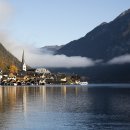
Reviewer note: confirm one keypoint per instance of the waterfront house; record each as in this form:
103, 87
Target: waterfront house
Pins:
12, 77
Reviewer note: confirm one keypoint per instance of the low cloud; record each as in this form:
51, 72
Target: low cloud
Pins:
49, 60
35, 58
120, 59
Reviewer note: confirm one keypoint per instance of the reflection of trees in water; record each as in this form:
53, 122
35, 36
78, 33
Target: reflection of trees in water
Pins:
19, 101
7, 101
10, 97
7, 98
104, 101
13, 101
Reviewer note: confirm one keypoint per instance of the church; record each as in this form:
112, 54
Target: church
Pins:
23, 65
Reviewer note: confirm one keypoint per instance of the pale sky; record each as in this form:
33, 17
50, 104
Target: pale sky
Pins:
56, 22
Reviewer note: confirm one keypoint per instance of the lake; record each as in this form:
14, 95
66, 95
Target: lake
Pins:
97, 107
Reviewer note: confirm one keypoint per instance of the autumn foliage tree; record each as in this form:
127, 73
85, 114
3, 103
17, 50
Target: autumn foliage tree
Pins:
13, 69
7, 59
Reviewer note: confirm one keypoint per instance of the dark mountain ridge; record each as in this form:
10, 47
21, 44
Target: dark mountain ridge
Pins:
106, 41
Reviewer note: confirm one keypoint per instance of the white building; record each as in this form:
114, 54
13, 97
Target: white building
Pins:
42, 71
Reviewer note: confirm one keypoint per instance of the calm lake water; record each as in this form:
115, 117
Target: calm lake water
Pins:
65, 108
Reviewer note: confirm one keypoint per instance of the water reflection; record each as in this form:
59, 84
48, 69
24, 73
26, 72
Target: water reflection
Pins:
64, 108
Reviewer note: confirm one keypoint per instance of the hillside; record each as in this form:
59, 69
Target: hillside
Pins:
6, 59
106, 41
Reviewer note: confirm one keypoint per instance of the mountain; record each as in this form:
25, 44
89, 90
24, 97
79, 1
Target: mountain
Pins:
100, 74
50, 49
7, 59
106, 41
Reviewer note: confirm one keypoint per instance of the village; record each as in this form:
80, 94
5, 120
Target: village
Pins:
37, 76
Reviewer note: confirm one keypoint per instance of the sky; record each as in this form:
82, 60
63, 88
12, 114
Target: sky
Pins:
56, 22
30, 24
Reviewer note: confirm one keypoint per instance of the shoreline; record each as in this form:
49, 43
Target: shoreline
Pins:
103, 85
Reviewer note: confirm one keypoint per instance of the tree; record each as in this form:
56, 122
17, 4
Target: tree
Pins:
13, 69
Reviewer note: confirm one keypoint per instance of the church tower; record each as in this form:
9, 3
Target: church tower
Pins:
24, 67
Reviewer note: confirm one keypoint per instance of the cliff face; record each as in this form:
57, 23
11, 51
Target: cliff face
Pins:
7, 59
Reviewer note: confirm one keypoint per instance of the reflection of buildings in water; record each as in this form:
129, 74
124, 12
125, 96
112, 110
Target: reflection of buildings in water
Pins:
63, 91
15, 95
8, 97
1, 94
44, 93
52, 90
1, 99
79, 90
76, 91
42, 90
11, 95
24, 99
36, 92
44, 97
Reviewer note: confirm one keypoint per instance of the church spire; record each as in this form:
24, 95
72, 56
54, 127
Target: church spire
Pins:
24, 68
23, 57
